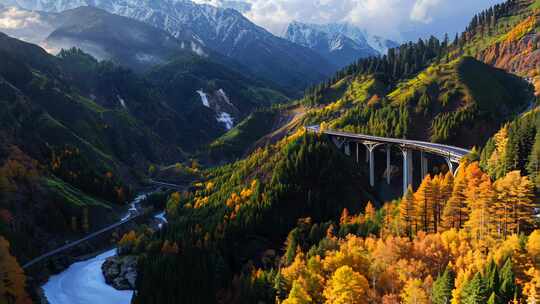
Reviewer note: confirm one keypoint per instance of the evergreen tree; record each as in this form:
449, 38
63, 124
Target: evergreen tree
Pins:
533, 166
492, 299
508, 287
298, 295
492, 276
442, 288
475, 291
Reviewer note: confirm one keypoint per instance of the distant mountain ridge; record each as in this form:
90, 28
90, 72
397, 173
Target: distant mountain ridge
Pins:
132, 44
339, 43
223, 30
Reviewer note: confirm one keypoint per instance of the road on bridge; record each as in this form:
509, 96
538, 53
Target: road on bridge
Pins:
455, 153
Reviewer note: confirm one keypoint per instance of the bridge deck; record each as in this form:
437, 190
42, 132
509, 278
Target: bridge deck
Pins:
454, 153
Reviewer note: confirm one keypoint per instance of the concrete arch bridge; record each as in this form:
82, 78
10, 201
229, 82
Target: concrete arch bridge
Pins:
351, 143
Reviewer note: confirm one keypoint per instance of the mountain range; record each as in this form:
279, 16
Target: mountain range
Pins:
340, 43
223, 30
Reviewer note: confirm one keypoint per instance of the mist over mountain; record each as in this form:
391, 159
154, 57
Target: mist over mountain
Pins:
223, 30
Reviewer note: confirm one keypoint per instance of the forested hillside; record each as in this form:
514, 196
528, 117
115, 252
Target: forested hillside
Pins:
432, 89
296, 222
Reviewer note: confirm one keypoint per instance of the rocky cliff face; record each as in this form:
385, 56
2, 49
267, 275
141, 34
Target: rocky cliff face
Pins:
520, 57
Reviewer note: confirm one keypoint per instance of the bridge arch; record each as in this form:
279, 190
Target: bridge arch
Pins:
451, 155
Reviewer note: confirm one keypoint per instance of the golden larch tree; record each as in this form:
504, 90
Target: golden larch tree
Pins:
481, 220
456, 210
413, 293
407, 213
515, 203
424, 201
346, 287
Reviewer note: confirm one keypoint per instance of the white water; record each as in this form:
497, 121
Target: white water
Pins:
204, 98
83, 283
134, 207
226, 119
161, 217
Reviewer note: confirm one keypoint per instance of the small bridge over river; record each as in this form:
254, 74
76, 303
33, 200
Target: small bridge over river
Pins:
349, 141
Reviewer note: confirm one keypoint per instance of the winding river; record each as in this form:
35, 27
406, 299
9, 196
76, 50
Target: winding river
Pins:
83, 282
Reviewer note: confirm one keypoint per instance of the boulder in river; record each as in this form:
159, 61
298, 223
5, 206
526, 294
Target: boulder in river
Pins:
120, 272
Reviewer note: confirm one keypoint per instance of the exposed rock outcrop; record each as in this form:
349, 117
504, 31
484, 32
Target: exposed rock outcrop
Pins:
120, 272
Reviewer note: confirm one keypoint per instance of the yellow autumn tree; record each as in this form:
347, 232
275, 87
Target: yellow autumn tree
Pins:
413, 293
12, 278
456, 211
346, 287
533, 247
298, 295
531, 289
496, 161
447, 185
424, 200
370, 211
407, 213
481, 221
514, 207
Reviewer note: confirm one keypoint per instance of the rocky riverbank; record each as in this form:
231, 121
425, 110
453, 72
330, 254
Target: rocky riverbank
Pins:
120, 272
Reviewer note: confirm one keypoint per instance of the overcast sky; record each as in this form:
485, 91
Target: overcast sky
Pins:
396, 19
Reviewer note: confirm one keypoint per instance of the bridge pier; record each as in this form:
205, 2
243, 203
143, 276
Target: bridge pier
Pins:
388, 165
407, 168
338, 141
450, 165
452, 155
424, 164
370, 153
357, 152
348, 148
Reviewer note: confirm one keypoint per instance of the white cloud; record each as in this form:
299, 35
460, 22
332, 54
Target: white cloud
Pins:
420, 11
13, 18
396, 19
25, 25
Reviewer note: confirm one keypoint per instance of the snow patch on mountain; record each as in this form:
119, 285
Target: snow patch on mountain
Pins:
122, 101
381, 44
204, 98
223, 95
226, 119
197, 49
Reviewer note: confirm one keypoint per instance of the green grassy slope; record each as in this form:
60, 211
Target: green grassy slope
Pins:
442, 103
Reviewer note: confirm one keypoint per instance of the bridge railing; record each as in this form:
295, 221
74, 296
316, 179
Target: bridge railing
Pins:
454, 153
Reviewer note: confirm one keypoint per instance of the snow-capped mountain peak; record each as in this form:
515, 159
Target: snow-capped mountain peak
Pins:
340, 43
223, 30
